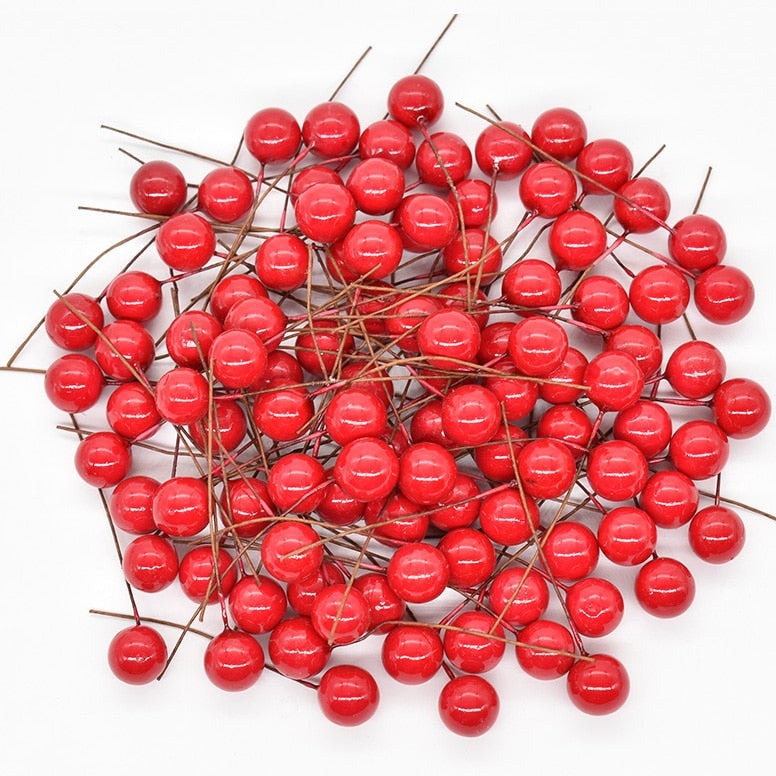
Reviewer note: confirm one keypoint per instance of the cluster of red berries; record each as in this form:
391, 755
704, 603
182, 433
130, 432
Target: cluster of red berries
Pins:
373, 406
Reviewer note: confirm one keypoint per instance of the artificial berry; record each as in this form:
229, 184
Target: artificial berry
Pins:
158, 187
412, 654
348, 695
468, 705
137, 655
234, 660
665, 587
73, 383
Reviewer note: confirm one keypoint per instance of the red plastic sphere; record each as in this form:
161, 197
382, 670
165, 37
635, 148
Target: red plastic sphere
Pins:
412, 654
638, 342
617, 470
475, 255
283, 412
695, 369
348, 695
418, 572
697, 243
124, 349
614, 380
261, 317
577, 240
496, 458
532, 283
238, 358
601, 302
468, 705
547, 468
627, 536
331, 130
340, 614
68, 319
385, 607
449, 337
245, 506
415, 100
517, 397
546, 649
699, 449
134, 296
272, 135
500, 150
537, 346
443, 159
182, 396
470, 415
158, 187
226, 194
325, 212
428, 221
377, 186
131, 504
150, 563
547, 189
312, 176
741, 408
282, 262
373, 249
665, 587
137, 655
186, 242
647, 205
604, 165
461, 505
670, 498
717, 534
427, 473
291, 551
570, 551
190, 336
180, 506
476, 200
519, 596
509, 518
257, 606
387, 139
103, 459
234, 660
595, 606
198, 577
470, 556
367, 469
224, 431
302, 593
296, 650
598, 686
559, 132
131, 411
569, 424
644, 424
295, 483
479, 644
659, 294
73, 383
354, 413
724, 294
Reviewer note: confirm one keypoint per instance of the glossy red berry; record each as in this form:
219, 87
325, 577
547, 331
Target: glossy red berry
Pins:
443, 159
373, 249
475, 255
500, 150
569, 424
354, 413
638, 342
644, 424
697, 243
367, 469
124, 349
182, 396
614, 379
226, 194
627, 536
282, 262
186, 242
559, 132
261, 317
598, 686
296, 650
348, 695
741, 408
203, 578
68, 321
547, 189
717, 534
546, 468
150, 563
340, 614
695, 369
190, 336
545, 649
509, 518
325, 212
296, 482
427, 473
272, 135
224, 430
474, 642
665, 587
415, 100
470, 556
234, 660
570, 551
238, 358
131, 411
180, 506
412, 654
103, 459
659, 294
158, 187
418, 572
331, 130
642, 205
468, 705
670, 498
516, 397
476, 200
283, 412
537, 346
532, 283
595, 606
245, 506
303, 592
257, 604
699, 449
291, 551
723, 294
496, 459
428, 221
617, 470
385, 607
134, 296
470, 415
577, 240
73, 383
604, 165
137, 655
387, 139
519, 596
312, 176
600, 301
131, 504
377, 185
460, 506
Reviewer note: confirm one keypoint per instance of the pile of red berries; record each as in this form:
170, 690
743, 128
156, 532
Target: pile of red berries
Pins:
370, 409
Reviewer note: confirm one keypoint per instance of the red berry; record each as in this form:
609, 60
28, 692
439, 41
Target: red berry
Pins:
340, 614
331, 130
367, 469
537, 346
614, 380
283, 412
559, 132
68, 321
627, 536
131, 411
291, 551
182, 396
131, 504
601, 302
468, 705
387, 139
233, 289
124, 349
570, 551
427, 473
158, 187
532, 283
717, 534
418, 572
186, 242
724, 294
348, 695
699, 449
519, 596
272, 135
604, 165
427, 220
180, 506
103, 459
470, 556
659, 294
470, 415
564, 384
245, 506
695, 369
73, 383
617, 470
599, 685
443, 159
644, 424
547, 468
474, 255
547, 189
282, 262
134, 296
137, 655
545, 649
474, 643
190, 336
638, 342
234, 660
198, 577
577, 240
312, 176
373, 249
377, 185
412, 654
257, 606
385, 606
261, 317
476, 201
642, 205
665, 587
150, 563
223, 431
303, 592
500, 150
509, 518
670, 498
226, 194
295, 483
569, 424
296, 650
415, 100
697, 243
325, 212
595, 606
741, 408
238, 358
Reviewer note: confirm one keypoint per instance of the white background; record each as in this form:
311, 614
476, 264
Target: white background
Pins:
696, 76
